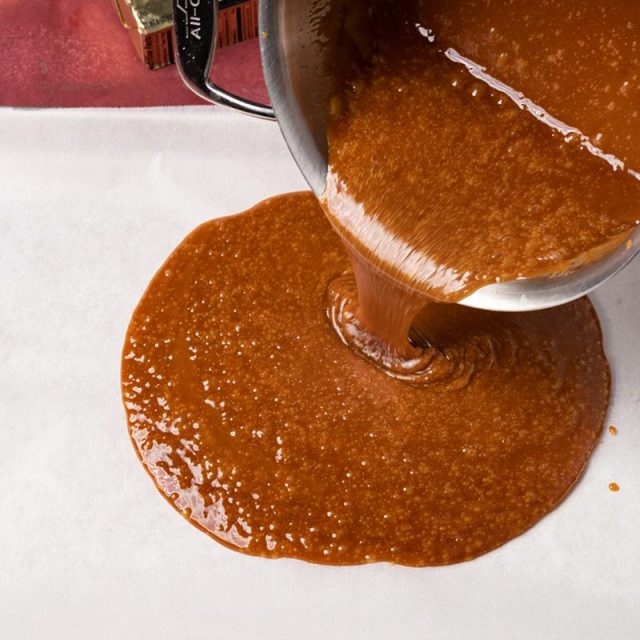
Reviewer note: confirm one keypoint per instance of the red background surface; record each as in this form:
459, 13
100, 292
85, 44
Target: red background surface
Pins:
75, 53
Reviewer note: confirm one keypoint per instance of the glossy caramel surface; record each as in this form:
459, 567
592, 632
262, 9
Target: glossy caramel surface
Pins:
264, 430
487, 141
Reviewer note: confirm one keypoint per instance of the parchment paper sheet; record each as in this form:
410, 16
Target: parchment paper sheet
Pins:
91, 203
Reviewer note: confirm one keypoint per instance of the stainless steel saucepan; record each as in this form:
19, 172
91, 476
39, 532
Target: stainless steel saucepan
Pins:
301, 45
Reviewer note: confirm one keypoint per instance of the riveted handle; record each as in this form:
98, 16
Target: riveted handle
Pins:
196, 31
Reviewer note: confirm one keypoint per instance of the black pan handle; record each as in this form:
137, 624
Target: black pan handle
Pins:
196, 31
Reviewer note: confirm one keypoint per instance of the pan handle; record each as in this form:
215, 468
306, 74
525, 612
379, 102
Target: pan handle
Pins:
195, 33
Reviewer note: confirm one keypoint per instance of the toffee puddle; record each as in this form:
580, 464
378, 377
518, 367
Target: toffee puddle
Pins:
264, 431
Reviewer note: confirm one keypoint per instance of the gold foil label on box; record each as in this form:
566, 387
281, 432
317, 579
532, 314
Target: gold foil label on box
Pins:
149, 23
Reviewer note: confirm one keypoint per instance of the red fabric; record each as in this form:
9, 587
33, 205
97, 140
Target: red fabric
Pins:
75, 53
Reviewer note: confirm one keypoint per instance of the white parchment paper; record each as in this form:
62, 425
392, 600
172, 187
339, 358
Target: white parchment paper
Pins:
91, 203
